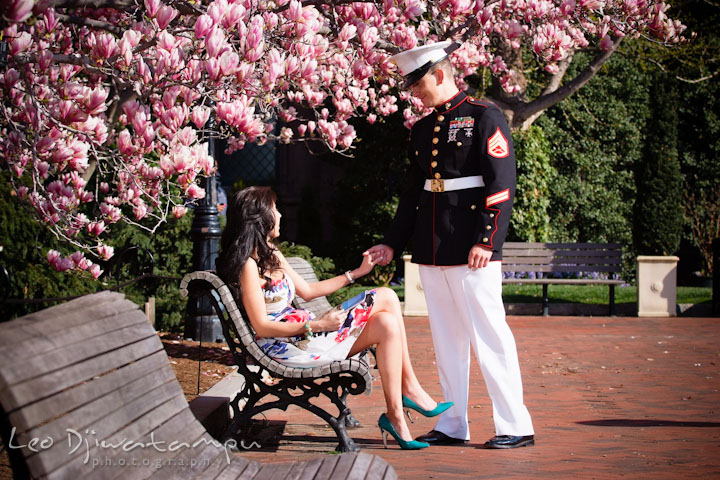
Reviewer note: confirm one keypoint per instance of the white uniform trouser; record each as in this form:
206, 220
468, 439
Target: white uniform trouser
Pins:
466, 309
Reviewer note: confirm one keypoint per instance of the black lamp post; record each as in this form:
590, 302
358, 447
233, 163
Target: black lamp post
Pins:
201, 323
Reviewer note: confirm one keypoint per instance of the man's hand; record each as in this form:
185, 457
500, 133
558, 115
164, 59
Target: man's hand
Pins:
479, 256
380, 254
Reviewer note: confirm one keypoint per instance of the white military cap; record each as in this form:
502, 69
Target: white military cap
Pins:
416, 62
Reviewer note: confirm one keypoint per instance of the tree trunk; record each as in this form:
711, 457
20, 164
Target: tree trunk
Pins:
520, 113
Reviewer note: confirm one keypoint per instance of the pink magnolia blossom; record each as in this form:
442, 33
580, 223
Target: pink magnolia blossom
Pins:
95, 270
20, 43
152, 7
200, 116
19, 10
105, 46
203, 25
96, 228
179, 211
105, 251
165, 15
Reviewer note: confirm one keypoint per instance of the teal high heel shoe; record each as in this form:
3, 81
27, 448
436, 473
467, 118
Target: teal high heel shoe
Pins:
440, 408
387, 427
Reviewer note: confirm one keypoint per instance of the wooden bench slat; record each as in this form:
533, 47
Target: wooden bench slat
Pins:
539, 257
97, 409
327, 466
239, 467
296, 471
251, 471
220, 461
344, 466
61, 318
73, 398
577, 245
46, 342
311, 469
273, 470
195, 461
181, 427
136, 419
559, 268
360, 467
76, 350
379, 469
57, 381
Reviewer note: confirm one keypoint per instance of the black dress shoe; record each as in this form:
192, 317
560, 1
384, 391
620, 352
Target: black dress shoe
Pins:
433, 437
510, 441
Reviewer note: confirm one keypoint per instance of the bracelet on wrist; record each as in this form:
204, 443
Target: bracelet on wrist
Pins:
349, 277
308, 330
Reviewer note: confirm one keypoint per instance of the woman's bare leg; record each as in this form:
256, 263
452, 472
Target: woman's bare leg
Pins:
386, 300
381, 330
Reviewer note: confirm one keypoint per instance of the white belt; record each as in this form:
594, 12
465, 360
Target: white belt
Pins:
450, 184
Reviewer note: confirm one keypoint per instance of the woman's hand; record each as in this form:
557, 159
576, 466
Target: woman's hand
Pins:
365, 267
329, 321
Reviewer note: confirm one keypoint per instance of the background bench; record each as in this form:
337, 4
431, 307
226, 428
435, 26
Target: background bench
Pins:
293, 386
599, 263
94, 371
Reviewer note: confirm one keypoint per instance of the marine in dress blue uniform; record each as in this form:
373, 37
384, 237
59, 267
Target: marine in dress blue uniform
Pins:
458, 196
461, 138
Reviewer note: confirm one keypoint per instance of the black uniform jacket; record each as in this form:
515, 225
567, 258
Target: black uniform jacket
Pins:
461, 138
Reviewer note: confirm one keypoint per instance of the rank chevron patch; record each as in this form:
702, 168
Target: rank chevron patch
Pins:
497, 198
498, 145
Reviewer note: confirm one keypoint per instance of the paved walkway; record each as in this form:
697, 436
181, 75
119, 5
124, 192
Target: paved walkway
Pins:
610, 398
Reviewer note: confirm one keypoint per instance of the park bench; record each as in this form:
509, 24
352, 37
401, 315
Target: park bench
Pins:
290, 385
546, 263
88, 391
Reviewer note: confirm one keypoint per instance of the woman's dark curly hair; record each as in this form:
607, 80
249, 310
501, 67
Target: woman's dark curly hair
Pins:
250, 220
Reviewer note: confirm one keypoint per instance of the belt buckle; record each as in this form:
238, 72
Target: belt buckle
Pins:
437, 185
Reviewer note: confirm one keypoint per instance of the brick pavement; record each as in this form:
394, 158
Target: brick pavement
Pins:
610, 398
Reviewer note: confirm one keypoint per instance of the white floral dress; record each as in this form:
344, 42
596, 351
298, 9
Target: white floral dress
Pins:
323, 347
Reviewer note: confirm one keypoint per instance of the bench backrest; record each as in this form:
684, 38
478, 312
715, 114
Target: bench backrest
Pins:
91, 370
562, 257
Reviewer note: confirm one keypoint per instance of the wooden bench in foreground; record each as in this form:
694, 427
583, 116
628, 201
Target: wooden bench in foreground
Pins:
87, 390
291, 386
602, 260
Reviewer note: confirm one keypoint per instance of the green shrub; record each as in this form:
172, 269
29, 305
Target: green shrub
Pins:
324, 267
657, 215
23, 248
530, 221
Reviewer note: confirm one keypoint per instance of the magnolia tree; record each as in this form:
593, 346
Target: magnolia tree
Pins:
108, 105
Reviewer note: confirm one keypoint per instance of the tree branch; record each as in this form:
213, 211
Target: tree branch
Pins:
89, 22
116, 4
526, 113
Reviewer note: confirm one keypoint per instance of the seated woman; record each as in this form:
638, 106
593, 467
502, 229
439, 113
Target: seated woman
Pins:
268, 284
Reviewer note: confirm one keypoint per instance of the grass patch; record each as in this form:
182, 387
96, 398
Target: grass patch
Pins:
589, 294
594, 294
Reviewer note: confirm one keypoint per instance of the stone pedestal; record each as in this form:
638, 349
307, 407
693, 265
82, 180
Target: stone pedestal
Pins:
415, 305
657, 286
